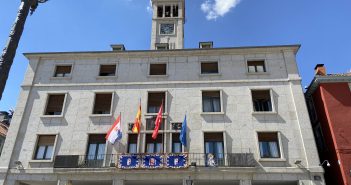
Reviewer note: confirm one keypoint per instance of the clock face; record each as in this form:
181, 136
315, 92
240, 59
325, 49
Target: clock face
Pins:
166, 29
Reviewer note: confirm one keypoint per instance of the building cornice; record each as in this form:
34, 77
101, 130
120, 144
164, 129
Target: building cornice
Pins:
165, 53
325, 79
159, 83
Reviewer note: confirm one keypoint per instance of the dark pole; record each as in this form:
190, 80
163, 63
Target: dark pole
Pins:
9, 51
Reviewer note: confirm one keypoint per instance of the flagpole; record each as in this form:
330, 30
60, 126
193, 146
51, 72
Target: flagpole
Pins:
164, 127
120, 122
139, 135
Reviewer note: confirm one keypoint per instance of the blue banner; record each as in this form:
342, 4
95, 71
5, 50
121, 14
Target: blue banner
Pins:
128, 161
177, 161
152, 161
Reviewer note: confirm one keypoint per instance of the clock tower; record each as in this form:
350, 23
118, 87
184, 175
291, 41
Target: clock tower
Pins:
167, 24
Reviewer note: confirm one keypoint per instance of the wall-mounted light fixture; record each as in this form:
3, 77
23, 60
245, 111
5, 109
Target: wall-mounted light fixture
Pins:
325, 161
298, 162
18, 164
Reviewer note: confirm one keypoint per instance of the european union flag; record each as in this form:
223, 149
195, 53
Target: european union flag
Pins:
182, 136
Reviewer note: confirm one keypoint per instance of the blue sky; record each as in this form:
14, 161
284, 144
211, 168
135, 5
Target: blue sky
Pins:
322, 27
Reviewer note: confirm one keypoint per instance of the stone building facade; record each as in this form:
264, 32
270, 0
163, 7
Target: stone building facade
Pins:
247, 121
5, 119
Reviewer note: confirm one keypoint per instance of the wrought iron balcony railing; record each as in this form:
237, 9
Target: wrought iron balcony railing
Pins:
136, 161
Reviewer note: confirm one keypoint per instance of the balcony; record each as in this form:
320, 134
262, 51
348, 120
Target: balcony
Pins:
156, 161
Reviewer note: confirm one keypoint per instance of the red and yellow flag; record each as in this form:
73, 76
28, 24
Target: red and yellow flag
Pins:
137, 122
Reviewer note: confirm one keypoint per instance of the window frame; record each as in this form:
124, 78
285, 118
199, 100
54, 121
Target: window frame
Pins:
247, 60
281, 151
163, 149
47, 101
102, 77
35, 148
87, 145
221, 101
210, 74
165, 111
271, 98
225, 150
111, 106
137, 143
166, 45
156, 63
202, 44
53, 76
171, 142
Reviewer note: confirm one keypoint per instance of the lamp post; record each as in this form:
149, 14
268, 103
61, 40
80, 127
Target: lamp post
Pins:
9, 52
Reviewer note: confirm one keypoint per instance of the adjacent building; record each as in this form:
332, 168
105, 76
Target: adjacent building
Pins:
247, 120
5, 119
329, 102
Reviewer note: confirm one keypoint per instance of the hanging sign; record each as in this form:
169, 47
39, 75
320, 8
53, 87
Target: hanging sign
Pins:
152, 161
177, 161
128, 161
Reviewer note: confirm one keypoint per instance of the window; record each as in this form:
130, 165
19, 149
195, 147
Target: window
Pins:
132, 143
160, 11
154, 101
211, 101
55, 104
175, 10
45, 147
205, 45
154, 146
103, 103
161, 46
214, 149
209, 67
96, 150
176, 126
63, 71
256, 66
150, 123
1, 144
176, 144
262, 100
158, 69
167, 11
269, 145
107, 70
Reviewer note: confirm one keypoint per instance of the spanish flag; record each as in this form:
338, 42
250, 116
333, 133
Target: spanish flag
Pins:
137, 122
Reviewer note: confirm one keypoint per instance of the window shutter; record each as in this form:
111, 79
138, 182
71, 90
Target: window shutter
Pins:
55, 103
214, 136
46, 140
102, 103
63, 69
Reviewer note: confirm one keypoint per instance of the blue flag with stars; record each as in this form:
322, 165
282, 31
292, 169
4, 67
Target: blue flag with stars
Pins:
182, 136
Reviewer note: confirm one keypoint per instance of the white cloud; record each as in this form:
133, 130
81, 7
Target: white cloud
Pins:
217, 8
149, 7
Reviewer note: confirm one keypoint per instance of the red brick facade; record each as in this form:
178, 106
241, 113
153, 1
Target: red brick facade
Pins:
332, 102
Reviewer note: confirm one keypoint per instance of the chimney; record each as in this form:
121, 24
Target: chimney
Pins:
320, 70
